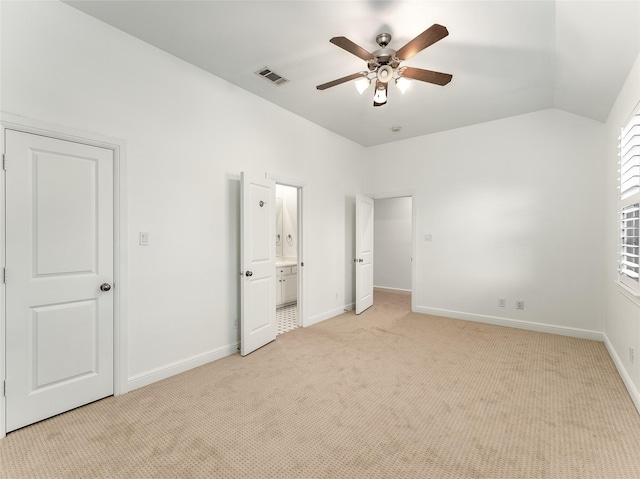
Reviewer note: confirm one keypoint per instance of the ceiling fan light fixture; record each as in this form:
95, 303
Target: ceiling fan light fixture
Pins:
380, 96
385, 73
403, 84
362, 84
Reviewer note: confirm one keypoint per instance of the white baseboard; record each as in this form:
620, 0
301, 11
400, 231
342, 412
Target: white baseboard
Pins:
163, 372
514, 323
328, 315
383, 289
626, 379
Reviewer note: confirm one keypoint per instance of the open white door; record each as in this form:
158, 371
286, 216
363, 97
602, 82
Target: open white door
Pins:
59, 250
364, 253
258, 262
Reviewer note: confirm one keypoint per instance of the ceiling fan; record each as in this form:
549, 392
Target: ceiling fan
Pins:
384, 64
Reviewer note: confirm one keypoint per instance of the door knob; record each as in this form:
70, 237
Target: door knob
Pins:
105, 287
249, 273
360, 260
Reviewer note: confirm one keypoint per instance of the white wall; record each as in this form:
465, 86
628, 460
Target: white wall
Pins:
622, 315
189, 135
392, 241
515, 210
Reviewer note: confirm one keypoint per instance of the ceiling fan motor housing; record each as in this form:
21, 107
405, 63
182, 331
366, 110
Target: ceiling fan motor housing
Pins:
385, 56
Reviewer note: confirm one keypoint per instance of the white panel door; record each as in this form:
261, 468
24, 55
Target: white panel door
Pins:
364, 253
59, 252
258, 262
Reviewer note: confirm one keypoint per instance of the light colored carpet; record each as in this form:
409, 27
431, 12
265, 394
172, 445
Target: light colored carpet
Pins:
384, 394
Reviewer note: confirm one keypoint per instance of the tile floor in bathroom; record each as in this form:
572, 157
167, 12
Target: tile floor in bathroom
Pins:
286, 318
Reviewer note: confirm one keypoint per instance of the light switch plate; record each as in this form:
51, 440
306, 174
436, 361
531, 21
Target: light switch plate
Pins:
144, 238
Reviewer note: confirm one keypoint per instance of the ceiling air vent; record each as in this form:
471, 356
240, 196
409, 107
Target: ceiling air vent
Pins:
272, 76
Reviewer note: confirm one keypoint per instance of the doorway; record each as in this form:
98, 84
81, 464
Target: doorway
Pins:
393, 239
259, 268
287, 241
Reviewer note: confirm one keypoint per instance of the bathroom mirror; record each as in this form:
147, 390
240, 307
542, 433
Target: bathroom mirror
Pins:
279, 233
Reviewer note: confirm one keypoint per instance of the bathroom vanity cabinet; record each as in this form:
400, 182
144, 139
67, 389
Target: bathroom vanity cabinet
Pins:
286, 284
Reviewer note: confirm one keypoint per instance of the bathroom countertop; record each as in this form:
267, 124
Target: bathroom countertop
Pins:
283, 262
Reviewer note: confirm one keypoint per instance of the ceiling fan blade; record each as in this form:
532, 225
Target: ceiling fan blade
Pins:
348, 45
324, 86
427, 75
431, 35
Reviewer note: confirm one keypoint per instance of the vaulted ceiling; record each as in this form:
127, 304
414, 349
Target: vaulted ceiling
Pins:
506, 57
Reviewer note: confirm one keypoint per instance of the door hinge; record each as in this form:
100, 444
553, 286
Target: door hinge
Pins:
4, 275
4, 161
4, 388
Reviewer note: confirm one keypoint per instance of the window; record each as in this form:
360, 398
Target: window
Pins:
629, 185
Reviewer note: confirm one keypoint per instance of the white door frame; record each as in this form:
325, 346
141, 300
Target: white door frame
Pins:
300, 186
118, 146
414, 232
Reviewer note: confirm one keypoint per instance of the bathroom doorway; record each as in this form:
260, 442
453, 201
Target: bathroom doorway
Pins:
288, 257
394, 246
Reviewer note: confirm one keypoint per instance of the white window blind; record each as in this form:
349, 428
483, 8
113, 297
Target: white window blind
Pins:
629, 186
629, 245
630, 158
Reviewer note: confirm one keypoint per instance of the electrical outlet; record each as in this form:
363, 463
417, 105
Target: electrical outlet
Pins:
519, 304
502, 302
632, 355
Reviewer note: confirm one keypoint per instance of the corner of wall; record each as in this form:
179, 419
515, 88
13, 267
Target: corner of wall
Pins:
626, 379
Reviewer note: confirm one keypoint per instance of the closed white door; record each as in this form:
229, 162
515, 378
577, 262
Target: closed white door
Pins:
364, 253
258, 262
59, 253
